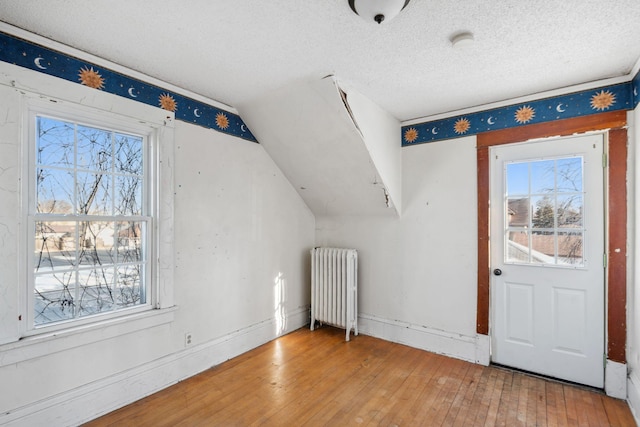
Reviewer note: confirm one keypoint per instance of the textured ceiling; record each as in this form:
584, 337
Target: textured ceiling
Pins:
235, 51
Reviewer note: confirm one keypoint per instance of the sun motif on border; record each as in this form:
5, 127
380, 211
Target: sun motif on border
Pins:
411, 134
91, 78
525, 114
167, 102
602, 100
222, 121
462, 126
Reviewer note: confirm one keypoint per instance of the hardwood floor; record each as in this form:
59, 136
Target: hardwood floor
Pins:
316, 378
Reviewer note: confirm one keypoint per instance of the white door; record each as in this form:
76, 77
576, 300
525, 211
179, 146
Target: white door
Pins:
547, 254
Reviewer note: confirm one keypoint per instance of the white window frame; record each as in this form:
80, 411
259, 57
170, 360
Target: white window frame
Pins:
21, 88
158, 159
113, 123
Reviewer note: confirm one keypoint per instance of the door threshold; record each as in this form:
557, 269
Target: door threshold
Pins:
547, 378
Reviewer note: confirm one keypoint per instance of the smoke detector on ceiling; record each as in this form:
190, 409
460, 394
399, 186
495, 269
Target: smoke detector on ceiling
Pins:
377, 10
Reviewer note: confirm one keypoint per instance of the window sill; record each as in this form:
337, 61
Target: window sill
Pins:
52, 342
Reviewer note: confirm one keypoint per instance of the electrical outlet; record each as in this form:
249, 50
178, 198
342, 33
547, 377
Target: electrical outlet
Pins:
187, 339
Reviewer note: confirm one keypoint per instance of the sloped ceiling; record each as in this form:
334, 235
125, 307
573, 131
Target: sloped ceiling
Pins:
311, 132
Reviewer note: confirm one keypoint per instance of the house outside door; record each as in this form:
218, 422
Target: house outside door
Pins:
547, 252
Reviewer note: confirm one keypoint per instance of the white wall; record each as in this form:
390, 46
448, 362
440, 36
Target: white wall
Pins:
633, 294
242, 236
380, 132
417, 274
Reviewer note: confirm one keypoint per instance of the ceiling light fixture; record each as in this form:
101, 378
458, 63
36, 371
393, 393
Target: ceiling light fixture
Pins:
377, 10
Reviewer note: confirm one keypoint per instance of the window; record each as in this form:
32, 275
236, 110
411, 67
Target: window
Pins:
545, 200
90, 218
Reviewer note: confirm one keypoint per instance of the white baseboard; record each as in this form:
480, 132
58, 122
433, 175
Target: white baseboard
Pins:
104, 396
483, 349
433, 340
633, 396
615, 379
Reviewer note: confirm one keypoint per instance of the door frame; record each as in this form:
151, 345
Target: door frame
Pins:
613, 125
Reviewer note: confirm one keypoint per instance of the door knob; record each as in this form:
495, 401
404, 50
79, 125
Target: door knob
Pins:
497, 272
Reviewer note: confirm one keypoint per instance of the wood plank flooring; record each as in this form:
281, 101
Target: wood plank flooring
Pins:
316, 378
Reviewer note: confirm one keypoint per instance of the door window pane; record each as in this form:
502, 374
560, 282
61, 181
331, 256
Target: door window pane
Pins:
569, 211
542, 176
518, 247
570, 248
518, 211
543, 208
569, 175
517, 178
543, 245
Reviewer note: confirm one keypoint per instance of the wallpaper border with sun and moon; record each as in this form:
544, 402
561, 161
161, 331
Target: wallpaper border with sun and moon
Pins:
623, 96
14, 50
17, 51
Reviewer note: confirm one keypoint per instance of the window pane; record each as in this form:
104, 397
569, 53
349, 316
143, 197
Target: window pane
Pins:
128, 154
54, 297
517, 178
54, 193
128, 289
543, 247
542, 176
55, 247
518, 211
128, 195
55, 144
517, 246
96, 243
94, 195
569, 173
96, 291
94, 149
570, 248
543, 212
130, 238
569, 211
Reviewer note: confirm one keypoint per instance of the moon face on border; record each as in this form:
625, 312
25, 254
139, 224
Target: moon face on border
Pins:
196, 113
131, 94
243, 128
559, 108
491, 120
38, 64
434, 131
